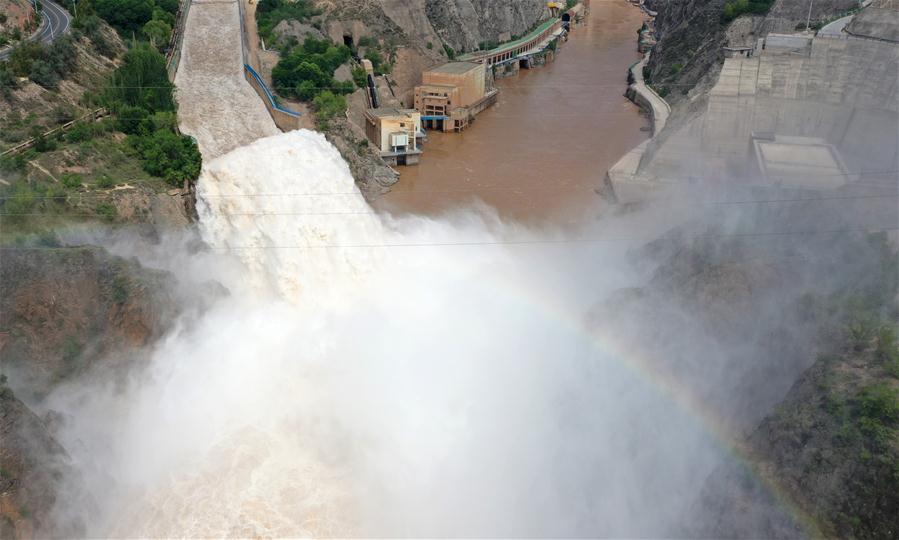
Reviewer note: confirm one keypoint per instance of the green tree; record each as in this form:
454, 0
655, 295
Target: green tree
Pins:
7, 81
62, 55
159, 33
141, 81
169, 155
22, 57
43, 74
129, 119
126, 16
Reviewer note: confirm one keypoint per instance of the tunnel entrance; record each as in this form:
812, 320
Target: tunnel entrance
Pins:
348, 40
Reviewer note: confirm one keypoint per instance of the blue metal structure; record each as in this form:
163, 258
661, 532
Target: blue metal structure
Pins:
268, 93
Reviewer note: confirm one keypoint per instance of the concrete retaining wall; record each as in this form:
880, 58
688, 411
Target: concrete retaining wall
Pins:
622, 179
285, 119
173, 56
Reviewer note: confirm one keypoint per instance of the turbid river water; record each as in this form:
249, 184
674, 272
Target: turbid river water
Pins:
539, 153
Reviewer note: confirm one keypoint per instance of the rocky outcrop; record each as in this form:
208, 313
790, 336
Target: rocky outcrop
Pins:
64, 310
827, 450
825, 461
690, 40
373, 176
31, 465
463, 24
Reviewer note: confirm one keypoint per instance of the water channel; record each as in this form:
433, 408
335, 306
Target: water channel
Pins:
542, 150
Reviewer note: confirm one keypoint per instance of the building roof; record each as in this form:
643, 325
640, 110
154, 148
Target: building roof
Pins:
456, 68
386, 112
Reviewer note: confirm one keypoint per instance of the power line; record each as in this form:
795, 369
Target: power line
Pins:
534, 241
264, 213
107, 196
497, 188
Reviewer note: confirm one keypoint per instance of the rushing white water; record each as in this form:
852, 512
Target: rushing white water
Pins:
372, 376
286, 205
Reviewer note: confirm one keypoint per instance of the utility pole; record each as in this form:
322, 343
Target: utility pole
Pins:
808, 20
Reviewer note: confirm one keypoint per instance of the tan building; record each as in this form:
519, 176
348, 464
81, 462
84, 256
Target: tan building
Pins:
451, 94
395, 132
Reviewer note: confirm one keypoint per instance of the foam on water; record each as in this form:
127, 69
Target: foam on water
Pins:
285, 205
380, 377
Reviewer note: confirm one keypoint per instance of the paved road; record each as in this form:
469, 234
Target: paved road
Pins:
55, 21
835, 28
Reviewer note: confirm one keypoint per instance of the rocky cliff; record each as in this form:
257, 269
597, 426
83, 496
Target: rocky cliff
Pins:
31, 463
63, 310
463, 24
825, 461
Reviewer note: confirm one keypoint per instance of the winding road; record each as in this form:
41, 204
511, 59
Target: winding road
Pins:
55, 21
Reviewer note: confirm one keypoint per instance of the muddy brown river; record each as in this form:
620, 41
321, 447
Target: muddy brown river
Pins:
539, 153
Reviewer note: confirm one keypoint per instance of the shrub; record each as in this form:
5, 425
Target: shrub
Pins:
7, 80
106, 211
105, 182
79, 132
71, 180
359, 77
327, 105
62, 55
129, 119
450, 52
271, 12
430, 45
887, 351
43, 144
21, 58
880, 402
734, 9
42, 73
20, 201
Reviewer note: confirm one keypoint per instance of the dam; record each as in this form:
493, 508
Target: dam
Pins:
832, 98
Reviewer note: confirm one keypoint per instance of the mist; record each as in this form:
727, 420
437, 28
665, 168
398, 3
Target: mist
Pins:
370, 375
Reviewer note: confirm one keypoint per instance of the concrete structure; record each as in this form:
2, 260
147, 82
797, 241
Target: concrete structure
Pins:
466, 81
395, 132
535, 41
830, 105
452, 94
797, 162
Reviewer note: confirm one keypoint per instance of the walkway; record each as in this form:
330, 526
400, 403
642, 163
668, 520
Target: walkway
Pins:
835, 28
512, 49
658, 106
55, 21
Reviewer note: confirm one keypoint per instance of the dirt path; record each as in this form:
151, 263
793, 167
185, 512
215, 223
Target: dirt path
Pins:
216, 104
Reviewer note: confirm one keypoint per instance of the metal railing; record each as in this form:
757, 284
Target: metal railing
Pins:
268, 94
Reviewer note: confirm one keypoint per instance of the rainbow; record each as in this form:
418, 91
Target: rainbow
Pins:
639, 363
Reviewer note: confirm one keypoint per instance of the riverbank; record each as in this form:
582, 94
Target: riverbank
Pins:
539, 154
